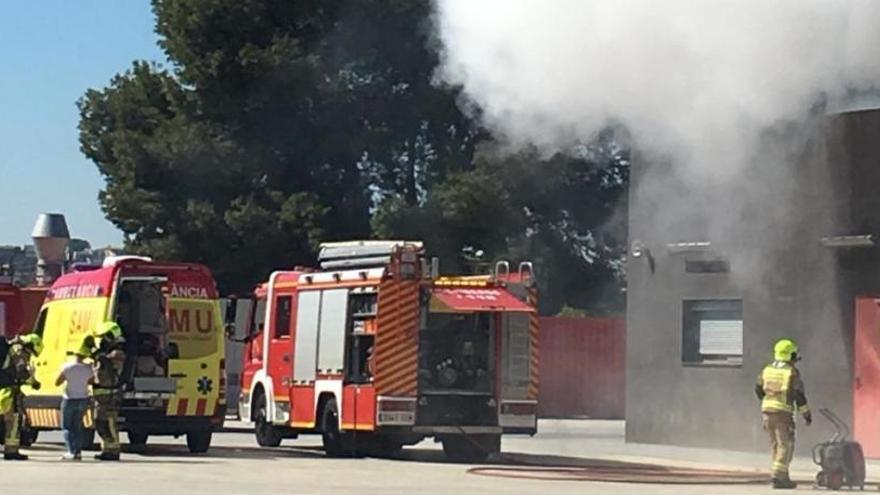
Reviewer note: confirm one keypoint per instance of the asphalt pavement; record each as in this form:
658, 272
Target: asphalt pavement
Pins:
235, 464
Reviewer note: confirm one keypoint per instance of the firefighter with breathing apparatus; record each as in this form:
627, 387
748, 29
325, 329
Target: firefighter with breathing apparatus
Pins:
781, 392
16, 370
106, 346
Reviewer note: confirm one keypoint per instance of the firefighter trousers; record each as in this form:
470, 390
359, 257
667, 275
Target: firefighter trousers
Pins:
12, 441
11, 425
107, 423
780, 427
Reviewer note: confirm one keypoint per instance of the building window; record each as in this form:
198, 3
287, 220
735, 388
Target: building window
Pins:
712, 332
259, 319
707, 266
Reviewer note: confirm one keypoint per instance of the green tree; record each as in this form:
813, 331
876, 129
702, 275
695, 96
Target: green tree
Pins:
566, 212
77, 245
277, 125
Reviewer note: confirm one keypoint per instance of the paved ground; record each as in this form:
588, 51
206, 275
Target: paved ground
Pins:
236, 465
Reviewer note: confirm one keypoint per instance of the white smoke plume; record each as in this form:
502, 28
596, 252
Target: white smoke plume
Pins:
697, 82
681, 74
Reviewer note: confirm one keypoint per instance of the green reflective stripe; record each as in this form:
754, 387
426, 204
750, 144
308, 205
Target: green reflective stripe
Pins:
804, 409
775, 406
777, 379
776, 384
13, 440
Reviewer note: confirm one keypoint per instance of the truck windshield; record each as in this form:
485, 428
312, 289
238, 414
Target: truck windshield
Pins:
456, 353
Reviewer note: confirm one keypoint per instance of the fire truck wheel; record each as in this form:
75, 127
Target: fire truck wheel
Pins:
198, 441
267, 435
474, 448
138, 438
381, 446
335, 442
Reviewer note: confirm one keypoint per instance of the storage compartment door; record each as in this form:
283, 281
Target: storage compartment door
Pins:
305, 350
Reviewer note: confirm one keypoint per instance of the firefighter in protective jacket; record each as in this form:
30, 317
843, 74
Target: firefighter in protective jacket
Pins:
781, 392
106, 346
15, 371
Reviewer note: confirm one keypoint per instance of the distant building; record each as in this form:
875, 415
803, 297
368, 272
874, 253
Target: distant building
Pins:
95, 256
19, 263
705, 304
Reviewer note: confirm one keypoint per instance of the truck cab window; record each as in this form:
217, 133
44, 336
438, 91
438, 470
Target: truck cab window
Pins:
41, 322
258, 322
282, 316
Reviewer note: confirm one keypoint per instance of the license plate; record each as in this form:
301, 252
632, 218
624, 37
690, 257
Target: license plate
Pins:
397, 417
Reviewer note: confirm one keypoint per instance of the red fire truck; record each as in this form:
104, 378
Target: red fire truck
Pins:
375, 351
18, 307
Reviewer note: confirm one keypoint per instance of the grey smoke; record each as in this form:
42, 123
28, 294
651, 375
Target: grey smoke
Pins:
698, 83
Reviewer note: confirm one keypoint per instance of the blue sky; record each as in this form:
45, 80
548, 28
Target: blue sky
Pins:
51, 51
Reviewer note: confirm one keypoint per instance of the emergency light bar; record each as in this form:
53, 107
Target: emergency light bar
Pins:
460, 282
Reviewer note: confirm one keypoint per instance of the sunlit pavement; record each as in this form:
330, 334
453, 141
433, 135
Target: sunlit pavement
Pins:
236, 465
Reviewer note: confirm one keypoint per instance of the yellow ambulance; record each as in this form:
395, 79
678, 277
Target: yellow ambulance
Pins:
173, 380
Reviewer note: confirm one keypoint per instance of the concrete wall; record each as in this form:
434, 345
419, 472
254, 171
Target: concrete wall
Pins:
796, 288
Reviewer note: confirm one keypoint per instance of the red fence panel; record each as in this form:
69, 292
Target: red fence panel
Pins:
583, 366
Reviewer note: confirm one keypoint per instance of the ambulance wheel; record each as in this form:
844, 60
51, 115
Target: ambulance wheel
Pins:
137, 438
198, 441
267, 435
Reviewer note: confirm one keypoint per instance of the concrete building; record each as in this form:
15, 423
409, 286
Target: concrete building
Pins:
20, 262
785, 248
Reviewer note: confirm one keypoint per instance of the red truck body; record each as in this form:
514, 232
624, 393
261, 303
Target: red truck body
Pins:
19, 308
381, 355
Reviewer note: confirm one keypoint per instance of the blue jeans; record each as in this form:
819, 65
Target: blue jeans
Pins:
72, 412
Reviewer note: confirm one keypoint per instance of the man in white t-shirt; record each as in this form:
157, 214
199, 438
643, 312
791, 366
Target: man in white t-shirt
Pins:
77, 376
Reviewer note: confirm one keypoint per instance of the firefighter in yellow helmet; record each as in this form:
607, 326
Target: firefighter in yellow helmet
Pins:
106, 346
781, 392
16, 370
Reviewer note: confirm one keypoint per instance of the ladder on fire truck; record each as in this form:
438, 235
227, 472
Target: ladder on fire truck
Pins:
360, 254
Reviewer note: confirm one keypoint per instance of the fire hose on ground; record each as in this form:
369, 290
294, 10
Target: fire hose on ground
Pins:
624, 472
610, 471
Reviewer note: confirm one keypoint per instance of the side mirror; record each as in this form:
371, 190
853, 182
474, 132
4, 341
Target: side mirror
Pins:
173, 352
229, 329
231, 311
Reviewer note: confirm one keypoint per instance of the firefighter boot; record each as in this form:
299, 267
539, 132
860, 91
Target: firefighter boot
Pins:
108, 428
784, 484
14, 456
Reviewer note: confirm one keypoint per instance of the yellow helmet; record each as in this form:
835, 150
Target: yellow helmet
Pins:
785, 350
33, 341
108, 329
